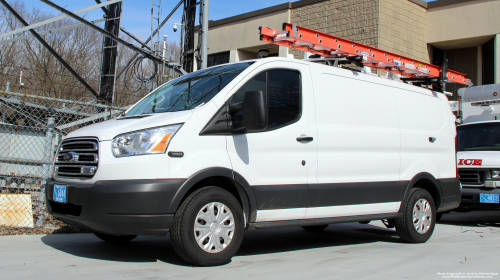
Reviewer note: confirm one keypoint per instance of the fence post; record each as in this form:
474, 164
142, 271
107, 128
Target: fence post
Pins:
47, 159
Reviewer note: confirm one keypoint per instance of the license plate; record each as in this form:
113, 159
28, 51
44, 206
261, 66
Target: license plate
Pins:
60, 194
488, 198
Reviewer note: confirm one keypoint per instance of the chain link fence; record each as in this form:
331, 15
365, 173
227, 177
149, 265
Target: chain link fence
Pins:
31, 129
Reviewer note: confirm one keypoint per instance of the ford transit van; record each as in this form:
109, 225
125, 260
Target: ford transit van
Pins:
260, 144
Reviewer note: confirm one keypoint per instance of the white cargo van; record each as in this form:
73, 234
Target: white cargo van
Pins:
260, 144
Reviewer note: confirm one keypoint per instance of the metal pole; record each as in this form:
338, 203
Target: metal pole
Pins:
15, 39
109, 53
152, 7
47, 164
204, 36
4, 109
27, 27
106, 33
150, 37
164, 57
135, 38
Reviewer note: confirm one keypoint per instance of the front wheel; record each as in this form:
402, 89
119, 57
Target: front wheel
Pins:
208, 227
419, 217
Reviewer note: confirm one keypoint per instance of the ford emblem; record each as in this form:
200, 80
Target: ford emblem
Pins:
71, 156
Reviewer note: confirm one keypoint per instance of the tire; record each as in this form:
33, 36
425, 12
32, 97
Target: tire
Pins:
116, 239
315, 228
191, 223
420, 202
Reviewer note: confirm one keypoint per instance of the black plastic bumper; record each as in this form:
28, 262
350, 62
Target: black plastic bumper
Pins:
450, 194
125, 207
470, 199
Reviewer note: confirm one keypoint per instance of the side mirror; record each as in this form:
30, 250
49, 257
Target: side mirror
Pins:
254, 111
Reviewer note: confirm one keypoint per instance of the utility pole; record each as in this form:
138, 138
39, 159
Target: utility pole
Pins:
204, 34
189, 21
109, 53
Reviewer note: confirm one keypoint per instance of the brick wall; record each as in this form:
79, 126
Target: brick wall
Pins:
403, 28
355, 20
397, 26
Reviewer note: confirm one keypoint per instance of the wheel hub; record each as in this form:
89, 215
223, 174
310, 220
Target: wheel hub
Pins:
214, 227
422, 216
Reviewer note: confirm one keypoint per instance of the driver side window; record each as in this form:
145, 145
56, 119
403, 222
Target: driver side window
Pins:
282, 90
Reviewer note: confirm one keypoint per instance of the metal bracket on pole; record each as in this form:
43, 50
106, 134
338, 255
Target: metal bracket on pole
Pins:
144, 45
28, 27
73, 26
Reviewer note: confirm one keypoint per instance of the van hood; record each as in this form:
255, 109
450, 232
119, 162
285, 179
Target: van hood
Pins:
478, 159
108, 130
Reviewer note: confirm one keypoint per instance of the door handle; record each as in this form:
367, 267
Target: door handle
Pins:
432, 139
304, 139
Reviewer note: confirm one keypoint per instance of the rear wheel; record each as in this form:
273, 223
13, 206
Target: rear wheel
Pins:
419, 217
117, 239
315, 228
208, 227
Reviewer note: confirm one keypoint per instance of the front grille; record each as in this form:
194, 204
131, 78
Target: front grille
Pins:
77, 158
471, 176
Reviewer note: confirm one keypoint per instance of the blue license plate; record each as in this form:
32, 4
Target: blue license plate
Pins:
60, 194
488, 198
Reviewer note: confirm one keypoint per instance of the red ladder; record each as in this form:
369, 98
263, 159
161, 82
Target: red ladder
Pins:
329, 46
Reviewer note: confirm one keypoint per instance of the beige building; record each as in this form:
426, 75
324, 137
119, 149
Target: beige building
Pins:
466, 32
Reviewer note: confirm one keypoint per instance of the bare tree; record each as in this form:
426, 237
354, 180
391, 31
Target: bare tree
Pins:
81, 47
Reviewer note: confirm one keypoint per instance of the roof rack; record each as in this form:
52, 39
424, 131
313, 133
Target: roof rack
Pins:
416, 72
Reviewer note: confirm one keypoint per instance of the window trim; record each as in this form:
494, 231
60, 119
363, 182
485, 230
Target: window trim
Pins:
267, 98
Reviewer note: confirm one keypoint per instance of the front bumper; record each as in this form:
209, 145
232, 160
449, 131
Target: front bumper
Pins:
470, 199
122, 207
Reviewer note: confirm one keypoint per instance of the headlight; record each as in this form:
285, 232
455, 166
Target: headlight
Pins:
149, 141
495, 174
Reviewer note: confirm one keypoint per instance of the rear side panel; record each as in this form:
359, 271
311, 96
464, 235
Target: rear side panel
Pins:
358, 144
427, 133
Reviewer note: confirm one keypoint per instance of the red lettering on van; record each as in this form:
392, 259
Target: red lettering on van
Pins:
470, 162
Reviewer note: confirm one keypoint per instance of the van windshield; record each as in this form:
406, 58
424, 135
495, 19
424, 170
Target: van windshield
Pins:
479, 137
188, 91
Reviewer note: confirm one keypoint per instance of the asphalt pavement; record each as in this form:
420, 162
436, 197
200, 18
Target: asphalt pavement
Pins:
464, 245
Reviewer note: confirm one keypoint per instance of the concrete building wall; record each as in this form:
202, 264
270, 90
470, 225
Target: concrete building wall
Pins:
355, 20
403, 29
243, 33
463, 20
465, 61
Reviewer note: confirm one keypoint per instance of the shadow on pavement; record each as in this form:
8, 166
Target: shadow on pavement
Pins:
152, 249
472, 219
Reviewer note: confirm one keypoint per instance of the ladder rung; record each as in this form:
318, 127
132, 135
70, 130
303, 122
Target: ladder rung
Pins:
308, 40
